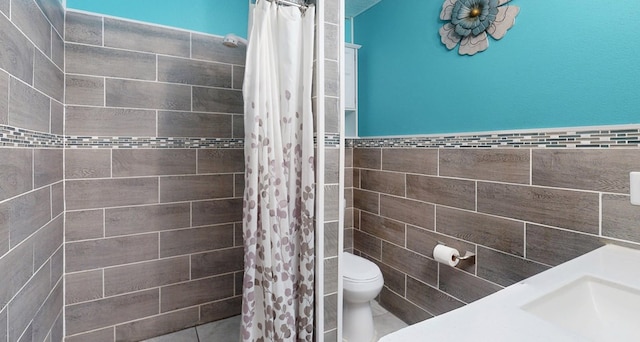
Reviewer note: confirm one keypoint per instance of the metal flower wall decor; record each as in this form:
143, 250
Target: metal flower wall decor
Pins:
471, 20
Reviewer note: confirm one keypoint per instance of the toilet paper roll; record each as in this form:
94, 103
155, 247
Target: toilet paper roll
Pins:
446, 255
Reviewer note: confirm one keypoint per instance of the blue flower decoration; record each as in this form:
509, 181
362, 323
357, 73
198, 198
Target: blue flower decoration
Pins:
471, 20
473, 16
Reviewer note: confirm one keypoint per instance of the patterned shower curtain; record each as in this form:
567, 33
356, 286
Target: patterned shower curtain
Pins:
279, 196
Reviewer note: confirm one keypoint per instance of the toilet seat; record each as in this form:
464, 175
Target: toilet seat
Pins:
359, 270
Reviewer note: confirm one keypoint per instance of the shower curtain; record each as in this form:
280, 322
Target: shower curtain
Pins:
279, 196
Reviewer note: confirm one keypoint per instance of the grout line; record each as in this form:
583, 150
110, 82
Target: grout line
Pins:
406, 235
406, 186
102, 32
102, 18
438, 162
200, 313
51, 203
151, 176
9, 92
524, 242
33, 169
151, 232
138, 80
475, 267
148, 261
530, 166
435, 218
158, 54
600, 211
131, 206
476, 195
134, 21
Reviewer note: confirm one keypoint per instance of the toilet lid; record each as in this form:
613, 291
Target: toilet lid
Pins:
358, 269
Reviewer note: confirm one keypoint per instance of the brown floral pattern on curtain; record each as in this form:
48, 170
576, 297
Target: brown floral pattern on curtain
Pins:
279, 197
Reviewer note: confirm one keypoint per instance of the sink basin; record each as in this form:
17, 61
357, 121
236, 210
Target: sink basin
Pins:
593, 308
594, 297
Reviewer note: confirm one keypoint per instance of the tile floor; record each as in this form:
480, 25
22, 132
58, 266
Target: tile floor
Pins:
384, 321
228, 330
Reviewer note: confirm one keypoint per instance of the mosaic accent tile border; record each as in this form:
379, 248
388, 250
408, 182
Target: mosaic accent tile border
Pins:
17, 137
152, 142
331, 139
164, 142
626, 137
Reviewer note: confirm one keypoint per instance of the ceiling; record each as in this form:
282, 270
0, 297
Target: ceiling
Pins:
355, 7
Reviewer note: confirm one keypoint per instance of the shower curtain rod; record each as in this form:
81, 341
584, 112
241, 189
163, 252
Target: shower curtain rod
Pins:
290, 3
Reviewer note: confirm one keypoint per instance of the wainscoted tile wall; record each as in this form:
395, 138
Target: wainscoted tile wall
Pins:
154, 179
521, 210
31, 157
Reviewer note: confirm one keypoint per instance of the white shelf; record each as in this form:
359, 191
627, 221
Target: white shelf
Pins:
351, 90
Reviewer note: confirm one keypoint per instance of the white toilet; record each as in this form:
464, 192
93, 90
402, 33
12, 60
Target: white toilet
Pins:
362, 282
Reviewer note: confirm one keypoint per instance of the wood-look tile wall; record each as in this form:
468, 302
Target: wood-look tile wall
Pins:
31, 178
521, 211
153, 235
349, 182
332, 228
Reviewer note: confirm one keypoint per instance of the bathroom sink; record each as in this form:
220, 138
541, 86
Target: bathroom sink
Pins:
591, 307
595, 297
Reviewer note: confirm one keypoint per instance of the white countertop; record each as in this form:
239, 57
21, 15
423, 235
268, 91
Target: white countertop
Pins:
499, 317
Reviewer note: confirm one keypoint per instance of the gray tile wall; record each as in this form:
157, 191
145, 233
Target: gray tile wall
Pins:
31, 179
332, 195
350, 182
153, 235
138, 222
521, 210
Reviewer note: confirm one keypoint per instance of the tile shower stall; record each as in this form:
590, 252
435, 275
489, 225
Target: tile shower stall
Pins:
152, 163
153, 235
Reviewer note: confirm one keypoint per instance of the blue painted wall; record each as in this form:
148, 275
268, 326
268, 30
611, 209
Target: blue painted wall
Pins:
347, 30
564, 63
209, 16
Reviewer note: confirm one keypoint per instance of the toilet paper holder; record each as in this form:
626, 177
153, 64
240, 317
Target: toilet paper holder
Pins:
467, 255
